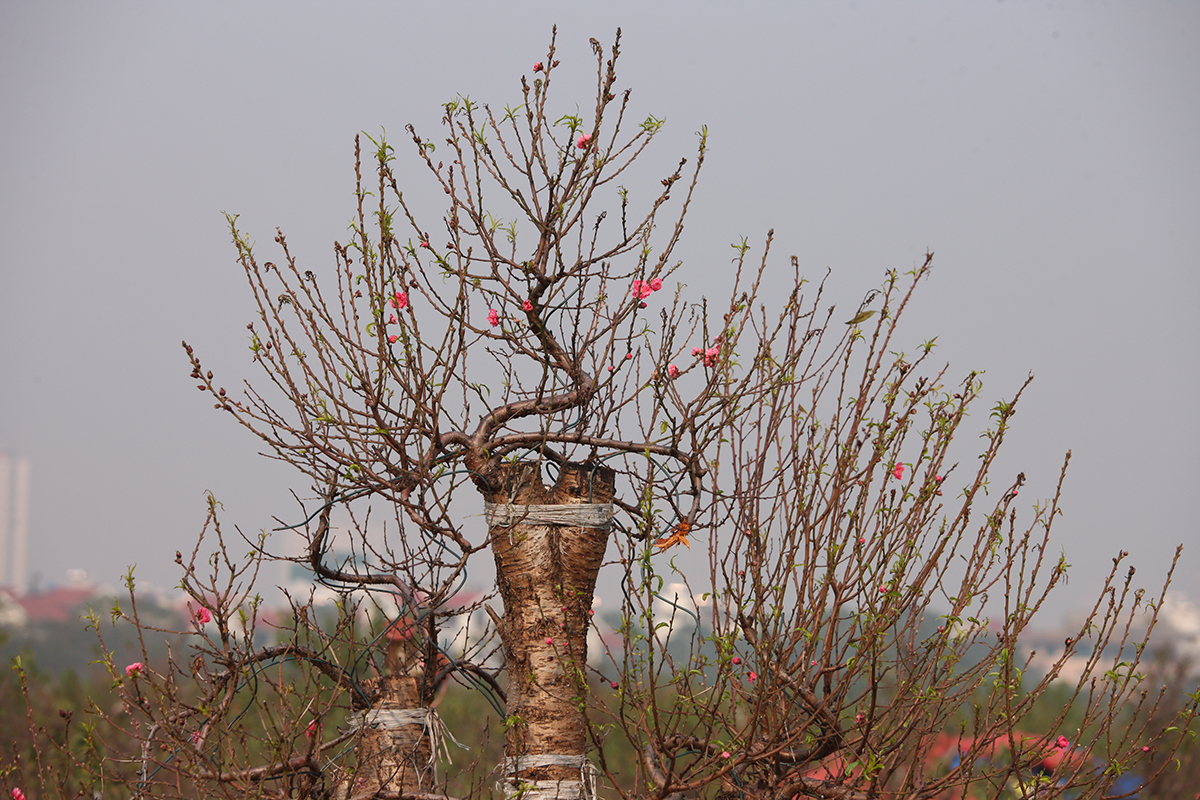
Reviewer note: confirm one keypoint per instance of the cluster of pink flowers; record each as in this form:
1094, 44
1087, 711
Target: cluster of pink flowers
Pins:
203, 615
17, 794
493, 317
537, 67
672, 371
710, 355
898, 472
527, 306
642, 289
583, 140
134, 669
399, 302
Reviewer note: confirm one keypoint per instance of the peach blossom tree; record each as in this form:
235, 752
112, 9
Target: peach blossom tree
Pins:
821, 592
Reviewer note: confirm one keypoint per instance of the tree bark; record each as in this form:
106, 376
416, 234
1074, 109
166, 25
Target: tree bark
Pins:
393, 755
547, 574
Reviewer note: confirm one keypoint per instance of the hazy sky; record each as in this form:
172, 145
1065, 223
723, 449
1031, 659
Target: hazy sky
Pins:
1048, 153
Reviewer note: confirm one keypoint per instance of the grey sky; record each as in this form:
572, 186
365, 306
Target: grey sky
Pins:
1047, 153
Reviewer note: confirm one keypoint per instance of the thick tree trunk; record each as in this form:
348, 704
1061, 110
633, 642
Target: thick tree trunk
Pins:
546, 573
394, 752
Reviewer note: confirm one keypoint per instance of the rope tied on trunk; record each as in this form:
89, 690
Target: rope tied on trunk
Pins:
582, 789
427, 718
581, 515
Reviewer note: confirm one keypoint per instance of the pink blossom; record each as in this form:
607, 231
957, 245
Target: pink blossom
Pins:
425, 244
672, 371
696, 351
493, 317
314, 728
393, 338
528, 306
591, 611
583, 140
400, 301
642, 304
860, 718
862, 540
134, 669
898, 472
711, 355
549, 640
391, 319
203, 615
1146, 749
752, 677
17, 794
537, 67
1062, 743
195, 737
613, 684
737, 660
640, 289
655, 284
725, 754
610, 369
628, 356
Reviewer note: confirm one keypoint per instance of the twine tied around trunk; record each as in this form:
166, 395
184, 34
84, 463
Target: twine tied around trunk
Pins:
580, 515
582, 789
427, 718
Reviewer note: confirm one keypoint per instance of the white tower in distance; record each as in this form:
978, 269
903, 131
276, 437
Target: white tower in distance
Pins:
5, 505
14, 523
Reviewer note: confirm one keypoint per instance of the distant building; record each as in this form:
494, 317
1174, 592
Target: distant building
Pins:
62, 604
12, 613
14, 523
